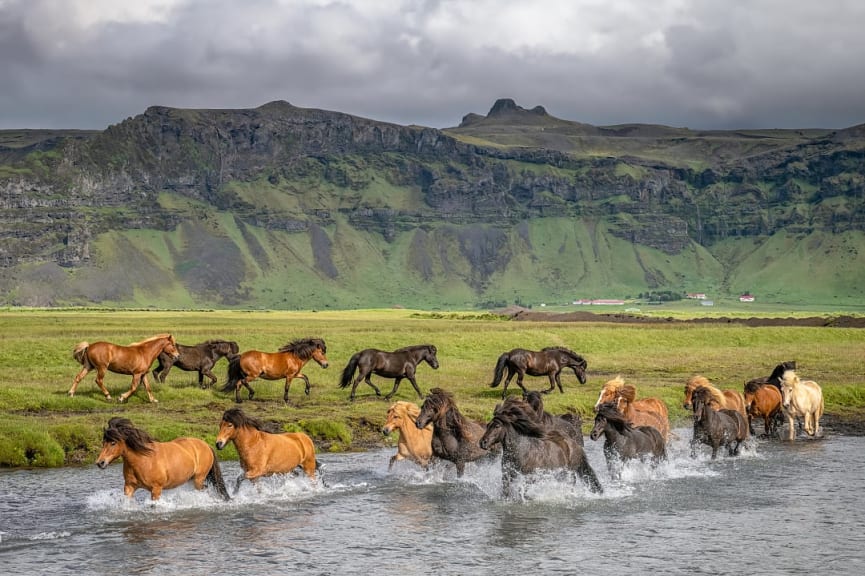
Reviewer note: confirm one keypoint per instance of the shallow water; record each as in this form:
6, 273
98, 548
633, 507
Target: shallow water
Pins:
778, 508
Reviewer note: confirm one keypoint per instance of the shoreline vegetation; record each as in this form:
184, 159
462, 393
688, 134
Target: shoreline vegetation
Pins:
41, 426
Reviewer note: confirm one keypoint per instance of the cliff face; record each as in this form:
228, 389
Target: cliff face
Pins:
466, 206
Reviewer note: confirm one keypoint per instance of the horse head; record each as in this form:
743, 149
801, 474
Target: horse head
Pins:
494, 432
430, 356
398, 414
578, 364
119, 436
434, 407
789, 381
170, 347
610, 391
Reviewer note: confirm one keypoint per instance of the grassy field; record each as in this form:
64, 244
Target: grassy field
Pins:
41, 426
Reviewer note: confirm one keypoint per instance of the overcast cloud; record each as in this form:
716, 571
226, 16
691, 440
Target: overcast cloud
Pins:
696, 63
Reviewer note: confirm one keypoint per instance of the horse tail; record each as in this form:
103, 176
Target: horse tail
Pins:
235, 373
500, 370
214, 477
348, 371
79, 353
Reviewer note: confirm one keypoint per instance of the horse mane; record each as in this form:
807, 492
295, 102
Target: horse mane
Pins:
521, 416
704, 395
152, 338
790, 378
239, 419
610, 412
567, 351
698, 382
136, 439
442, 401
615, 384
304, 347
778, 373
411, 409
628, 392
695, 382
534, 399
752, 386
416, 347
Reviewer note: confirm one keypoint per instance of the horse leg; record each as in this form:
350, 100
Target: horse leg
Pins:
306, 381
147, 387
559, 381
511, 374
100, 381
414, 385
135, 380
396, 382
77, 379
553, 378
792, 422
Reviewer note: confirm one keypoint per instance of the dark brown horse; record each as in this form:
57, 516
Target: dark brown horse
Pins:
716, 428
455, 437
286, 363
134, 359
547, 362
570, 423
198, 358
398, 364
763, 400
527, 446
155, 466
624, 442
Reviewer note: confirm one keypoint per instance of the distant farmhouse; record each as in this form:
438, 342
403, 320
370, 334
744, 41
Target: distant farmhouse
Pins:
696, 295
746, 297
598, 302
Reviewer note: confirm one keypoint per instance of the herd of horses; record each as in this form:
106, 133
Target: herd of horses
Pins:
521, 432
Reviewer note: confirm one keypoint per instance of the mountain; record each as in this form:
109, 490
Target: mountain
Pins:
288, 207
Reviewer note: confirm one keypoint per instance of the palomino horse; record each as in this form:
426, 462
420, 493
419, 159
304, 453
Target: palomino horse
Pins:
716, 428
729, 399
570, 423
413, 444
455, 437
801, 398
398, 364
624, 442
198, 358
763, 400
262, 452
642, 412
548, 362
286, 363
134, 359
155, 466
527, 446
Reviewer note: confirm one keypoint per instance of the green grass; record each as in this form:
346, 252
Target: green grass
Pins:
41, 426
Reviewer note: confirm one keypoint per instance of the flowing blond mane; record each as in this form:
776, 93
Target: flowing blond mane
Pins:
151, 339
409, 409
703, 382
790, 378
615, 384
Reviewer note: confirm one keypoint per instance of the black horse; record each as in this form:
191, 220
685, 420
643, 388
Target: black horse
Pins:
548, 362
569, 423
201, 358
527, 446
716, 428
622, 441
398, 364
455, 437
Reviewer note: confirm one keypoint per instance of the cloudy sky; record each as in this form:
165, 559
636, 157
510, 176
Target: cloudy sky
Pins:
696, 63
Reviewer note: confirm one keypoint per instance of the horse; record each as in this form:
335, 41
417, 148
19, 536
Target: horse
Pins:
716, 427
801, 398
528, 446
413, 444
622, 441
730, 399
200, 357
133, 359
547, 362
570, 423
286, 363
155, 466
455, 437
763, 400
398, 364
263, 452
775, 377
642, 412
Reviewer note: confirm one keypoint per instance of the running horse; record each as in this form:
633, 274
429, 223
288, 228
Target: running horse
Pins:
413, 444
398, 364
801, 398
262, 451
716, 428
642, 412
570, 423
763, 400
134, 359
622, 441
198, 358
455, 437
286, 363
547, 362
528, 446
729, 399
155, 466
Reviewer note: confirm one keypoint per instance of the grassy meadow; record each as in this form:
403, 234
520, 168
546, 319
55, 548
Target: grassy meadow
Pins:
41, 426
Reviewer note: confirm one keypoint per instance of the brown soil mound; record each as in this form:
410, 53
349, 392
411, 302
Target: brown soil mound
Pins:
818, 321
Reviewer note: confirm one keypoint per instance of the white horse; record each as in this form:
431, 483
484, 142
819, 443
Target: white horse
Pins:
801, 398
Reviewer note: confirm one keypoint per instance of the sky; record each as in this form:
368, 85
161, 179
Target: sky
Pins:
722, 64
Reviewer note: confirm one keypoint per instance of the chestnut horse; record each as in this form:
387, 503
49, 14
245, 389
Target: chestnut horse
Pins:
455, 437
763, 400
263, 452
642, 412
286, 363
547, 362
801, 398
155, 466
729, 399
198, 358
413, 444
134, 359
716, 428
528, 446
